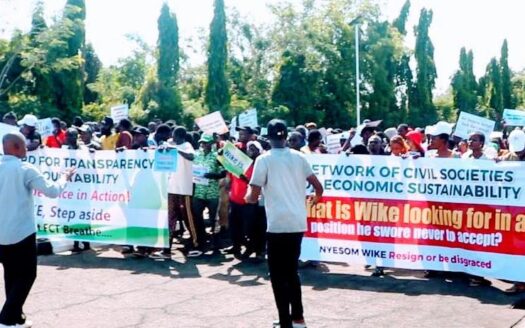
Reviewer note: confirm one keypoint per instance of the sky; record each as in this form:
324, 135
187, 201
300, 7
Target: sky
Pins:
478, 25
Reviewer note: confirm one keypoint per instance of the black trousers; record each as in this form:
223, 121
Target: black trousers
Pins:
19, 261
237, 220
256, 230
198, 206
283, 256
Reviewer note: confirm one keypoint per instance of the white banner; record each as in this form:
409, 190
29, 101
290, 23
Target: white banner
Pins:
333, 143
113, 197
434, 214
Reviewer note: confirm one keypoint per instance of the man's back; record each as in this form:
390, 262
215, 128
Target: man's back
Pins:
282, 173
17, 179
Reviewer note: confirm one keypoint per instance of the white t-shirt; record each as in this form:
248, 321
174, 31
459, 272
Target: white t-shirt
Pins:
180, 182
282, 174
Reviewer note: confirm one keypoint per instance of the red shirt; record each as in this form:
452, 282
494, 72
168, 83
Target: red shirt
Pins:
56, 141
239, 187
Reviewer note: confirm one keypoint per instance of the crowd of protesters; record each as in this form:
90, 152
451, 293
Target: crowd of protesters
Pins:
216, 217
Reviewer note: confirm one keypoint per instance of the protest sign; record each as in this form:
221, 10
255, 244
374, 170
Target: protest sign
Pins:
468, 123
166, 160
234, 160
45, 127
514, 117
119, 112
434, 214
249, 118
212, 123
5, 129
198, 175
333, 143
113, 198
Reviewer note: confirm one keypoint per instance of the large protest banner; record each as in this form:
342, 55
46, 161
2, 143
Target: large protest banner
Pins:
113, 198
436, 214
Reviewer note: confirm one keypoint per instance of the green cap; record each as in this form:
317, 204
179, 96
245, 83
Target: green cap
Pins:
206, 138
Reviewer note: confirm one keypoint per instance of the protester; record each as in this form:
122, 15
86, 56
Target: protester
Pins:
282, 174
18, 229
414, 140
315, 145
295, 141
86, 136
255, 227
140, 138
108, 139
440, 135
206, 193
125, 139
398, 146
58, 138
28, 129
476, 143
402, 130
180, 189
375, 146
10, 119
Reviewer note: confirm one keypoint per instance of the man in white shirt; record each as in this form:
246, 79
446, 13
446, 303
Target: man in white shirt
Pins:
180, 190
17, 225
282, 174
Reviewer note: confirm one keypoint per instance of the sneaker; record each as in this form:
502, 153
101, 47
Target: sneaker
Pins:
27, 324
298, 324
194, 253
160, 255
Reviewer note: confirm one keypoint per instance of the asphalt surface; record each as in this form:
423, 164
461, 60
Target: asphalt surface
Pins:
103, 288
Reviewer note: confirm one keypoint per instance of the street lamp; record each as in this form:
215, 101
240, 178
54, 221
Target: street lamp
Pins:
355, 23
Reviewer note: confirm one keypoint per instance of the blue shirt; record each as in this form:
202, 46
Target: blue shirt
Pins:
17, 182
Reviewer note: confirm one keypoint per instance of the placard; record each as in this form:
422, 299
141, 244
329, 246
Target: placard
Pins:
119, 112
45, 127
212, 123
468, 123
166, 160
514, 117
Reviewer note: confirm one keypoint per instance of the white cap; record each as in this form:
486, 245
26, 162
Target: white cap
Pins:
390, 132
516, 141
29, 120
440, 127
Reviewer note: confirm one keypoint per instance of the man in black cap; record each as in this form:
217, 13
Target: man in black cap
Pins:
140, 137
283, 173
245, 136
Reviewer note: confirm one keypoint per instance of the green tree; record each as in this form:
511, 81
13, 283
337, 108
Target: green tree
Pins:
464, 85
92, 67
167, 96
400, 22
506, 77
217, 89
68, 84
495, 89
422, 110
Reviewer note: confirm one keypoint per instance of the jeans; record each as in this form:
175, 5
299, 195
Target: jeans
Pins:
19, 261
283, 256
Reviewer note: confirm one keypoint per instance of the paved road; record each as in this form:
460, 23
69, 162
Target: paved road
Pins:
102, 288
